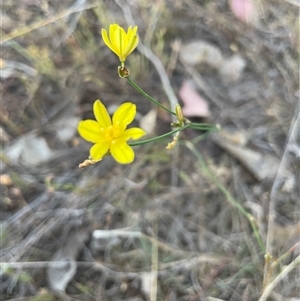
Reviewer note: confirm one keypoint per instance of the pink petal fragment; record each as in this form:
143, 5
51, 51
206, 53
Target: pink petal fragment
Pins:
193, 103
244, 10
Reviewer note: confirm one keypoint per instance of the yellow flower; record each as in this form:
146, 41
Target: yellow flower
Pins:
120, 42
111, 135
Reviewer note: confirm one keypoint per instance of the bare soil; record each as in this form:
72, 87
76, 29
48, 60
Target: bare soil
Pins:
171, 223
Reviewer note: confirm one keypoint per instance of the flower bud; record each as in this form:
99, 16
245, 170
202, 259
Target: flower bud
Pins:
178, 113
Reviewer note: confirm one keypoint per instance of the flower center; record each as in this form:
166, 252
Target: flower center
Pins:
112, 132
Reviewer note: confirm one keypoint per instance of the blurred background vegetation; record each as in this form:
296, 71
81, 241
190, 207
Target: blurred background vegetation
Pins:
214, 218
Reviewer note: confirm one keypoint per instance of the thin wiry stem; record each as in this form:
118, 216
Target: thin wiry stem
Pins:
147, 52
276, 185
135, 86
228, 195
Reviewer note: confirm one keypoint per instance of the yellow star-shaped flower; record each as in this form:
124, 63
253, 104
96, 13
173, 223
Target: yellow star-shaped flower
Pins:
110, 135
120, 42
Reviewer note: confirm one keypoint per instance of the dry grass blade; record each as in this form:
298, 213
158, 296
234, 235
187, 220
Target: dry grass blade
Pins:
293, 132
271, 286
27, 29
164, 227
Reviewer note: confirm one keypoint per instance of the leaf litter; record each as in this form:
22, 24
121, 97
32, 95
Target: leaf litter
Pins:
246, 75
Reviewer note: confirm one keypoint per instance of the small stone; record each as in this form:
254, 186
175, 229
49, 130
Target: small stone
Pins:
5, 180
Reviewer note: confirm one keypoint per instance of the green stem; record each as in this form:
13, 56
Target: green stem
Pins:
198, 126
203, 126
135, 86
140, 142
188, 125
229, 197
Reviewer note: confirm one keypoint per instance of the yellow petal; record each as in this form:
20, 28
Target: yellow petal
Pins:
123, 40
98, 150
107, 41
101, 114
118, 40
132, 40
90, 130
131, 32
131, 45
114, 34
122, 152
124, 114
112, 30
133, 133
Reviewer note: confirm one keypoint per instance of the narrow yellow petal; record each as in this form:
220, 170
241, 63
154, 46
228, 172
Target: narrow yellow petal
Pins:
112, 30
114, 39
123, 40
124, 114
132, 39
90, 130
133, 133
98, 150
101, 114
131, 32
105, 37
107, 41
118, 39
135, 28
132, 44
122, 152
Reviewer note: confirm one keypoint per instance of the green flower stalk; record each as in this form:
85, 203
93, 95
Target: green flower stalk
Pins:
110, 135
